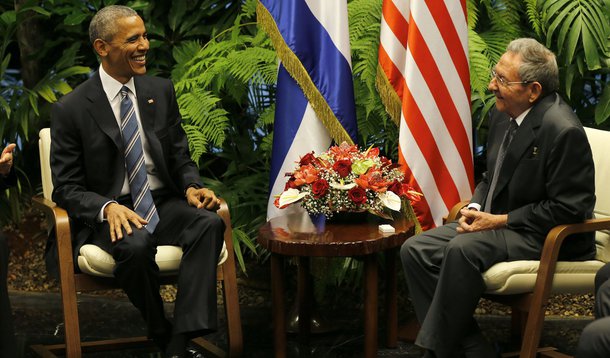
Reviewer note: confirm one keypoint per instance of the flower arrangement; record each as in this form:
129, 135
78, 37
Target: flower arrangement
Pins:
347, 179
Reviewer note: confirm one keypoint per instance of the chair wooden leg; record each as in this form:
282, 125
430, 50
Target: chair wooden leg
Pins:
68, 288
231, 301
533, 330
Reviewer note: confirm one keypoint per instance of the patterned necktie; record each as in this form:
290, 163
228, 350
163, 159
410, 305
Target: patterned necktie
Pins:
508, 137
141, 196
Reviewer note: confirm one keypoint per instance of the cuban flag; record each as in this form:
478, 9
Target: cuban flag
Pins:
315, 93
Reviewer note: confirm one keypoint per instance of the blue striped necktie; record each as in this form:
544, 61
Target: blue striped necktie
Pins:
141, 196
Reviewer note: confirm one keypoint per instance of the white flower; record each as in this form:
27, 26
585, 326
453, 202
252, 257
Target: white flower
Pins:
342, 186
291, 196
390, 200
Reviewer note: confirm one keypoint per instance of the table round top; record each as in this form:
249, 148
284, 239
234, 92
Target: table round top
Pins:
296, 235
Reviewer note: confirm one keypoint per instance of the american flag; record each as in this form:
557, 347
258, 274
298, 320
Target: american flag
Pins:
424, 82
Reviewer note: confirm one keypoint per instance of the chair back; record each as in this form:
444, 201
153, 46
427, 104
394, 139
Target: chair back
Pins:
600, 147
44, 148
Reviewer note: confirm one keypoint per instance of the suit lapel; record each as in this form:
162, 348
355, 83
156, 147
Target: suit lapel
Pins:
524, 137
100, 110
148, 104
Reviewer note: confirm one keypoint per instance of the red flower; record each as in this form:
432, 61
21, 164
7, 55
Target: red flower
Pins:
276, 202
357, 195
372, 153
343, 167
343, 151
373, 179
308, 158
290, 184
306, 174
396, 188
319, 188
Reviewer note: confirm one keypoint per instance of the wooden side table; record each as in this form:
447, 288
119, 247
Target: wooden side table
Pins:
295, 235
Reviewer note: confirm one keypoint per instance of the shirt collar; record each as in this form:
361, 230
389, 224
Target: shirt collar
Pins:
112, 87
519, 118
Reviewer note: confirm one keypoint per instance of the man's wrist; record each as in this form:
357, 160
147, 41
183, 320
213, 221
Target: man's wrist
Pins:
192, 185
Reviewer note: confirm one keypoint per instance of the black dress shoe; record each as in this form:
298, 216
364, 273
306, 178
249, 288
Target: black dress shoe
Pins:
193, 353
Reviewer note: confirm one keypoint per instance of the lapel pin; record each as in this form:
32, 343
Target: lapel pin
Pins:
151, 101
535, 151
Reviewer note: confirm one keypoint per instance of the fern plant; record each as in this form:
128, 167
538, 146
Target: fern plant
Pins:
225, 90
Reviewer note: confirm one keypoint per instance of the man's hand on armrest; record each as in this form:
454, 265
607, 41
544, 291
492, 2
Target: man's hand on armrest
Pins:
473, 220
120, 217
202, 198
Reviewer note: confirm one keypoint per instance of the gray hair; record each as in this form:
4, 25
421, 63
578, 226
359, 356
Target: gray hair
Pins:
538, 63
103, 24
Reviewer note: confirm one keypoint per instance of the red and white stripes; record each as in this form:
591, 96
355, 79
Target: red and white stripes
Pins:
423, 53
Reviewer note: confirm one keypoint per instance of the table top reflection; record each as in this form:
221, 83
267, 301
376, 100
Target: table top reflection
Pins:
296, 235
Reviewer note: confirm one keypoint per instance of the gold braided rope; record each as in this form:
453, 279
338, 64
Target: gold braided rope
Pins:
296, 70
389, 97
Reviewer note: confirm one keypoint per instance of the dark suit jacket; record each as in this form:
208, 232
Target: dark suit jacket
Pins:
87, 161
547, 177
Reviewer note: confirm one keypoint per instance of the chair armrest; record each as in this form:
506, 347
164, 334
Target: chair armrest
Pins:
57, 217
550, 251
454, 213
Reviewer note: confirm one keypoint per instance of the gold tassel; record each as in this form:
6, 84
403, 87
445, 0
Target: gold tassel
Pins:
296, 70
389, 97
410, 215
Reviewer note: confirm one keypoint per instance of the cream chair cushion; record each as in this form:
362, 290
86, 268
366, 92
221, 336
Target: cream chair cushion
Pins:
92, 259
97, 262
514, 277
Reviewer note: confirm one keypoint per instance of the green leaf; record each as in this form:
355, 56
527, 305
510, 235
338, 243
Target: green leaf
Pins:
36, 9
6, 108
602, 110
8, 17
572, 40
176, 13
75, 19
73, 71
590, 48
47, 93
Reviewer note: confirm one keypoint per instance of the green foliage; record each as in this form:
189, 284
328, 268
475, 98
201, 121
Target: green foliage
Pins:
172, 23
23, 110
225, 90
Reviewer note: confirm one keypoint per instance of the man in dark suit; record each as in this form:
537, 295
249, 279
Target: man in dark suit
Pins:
539, 174
7, 333
121, 168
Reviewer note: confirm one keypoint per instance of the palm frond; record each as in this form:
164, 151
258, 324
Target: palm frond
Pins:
575, 26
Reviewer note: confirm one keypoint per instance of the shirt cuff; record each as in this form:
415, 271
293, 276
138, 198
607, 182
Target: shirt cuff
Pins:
100, 216
475, 206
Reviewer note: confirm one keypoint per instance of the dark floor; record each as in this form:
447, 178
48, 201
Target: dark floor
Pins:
38, 321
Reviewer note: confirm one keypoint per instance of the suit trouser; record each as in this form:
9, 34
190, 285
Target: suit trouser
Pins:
7, 333
200, 234
595, 338
443, 272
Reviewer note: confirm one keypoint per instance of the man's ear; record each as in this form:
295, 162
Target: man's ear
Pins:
536, 91
101, 47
